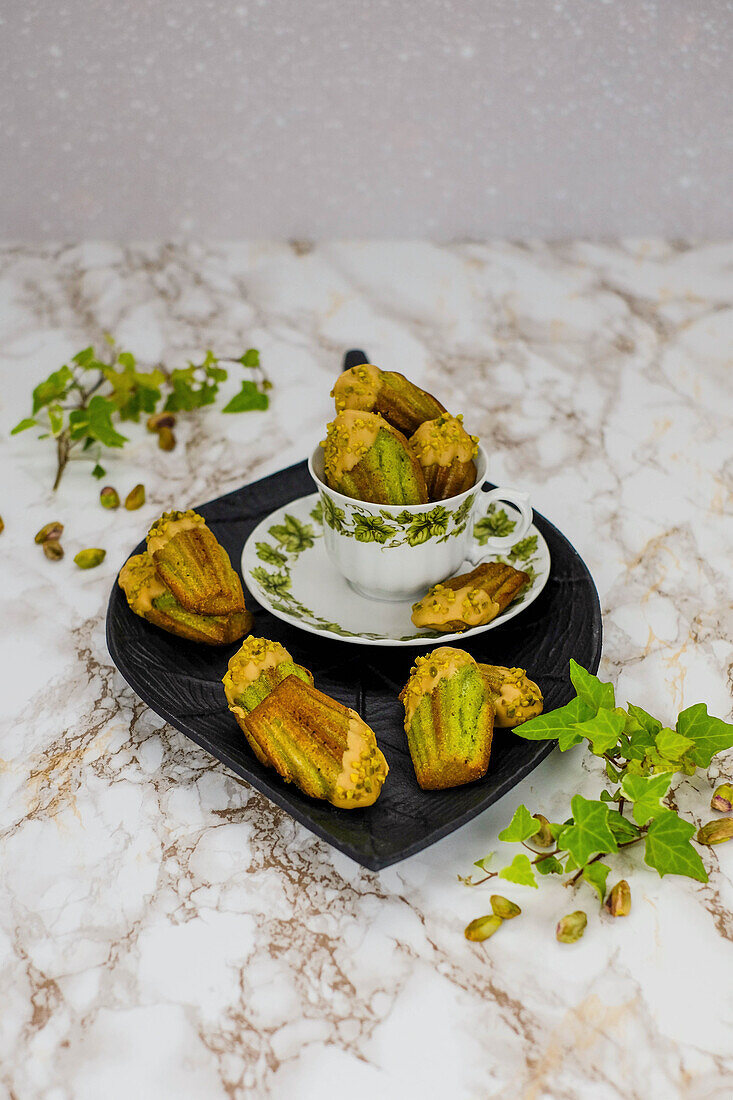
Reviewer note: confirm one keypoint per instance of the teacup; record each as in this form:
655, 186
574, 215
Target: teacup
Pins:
397, 551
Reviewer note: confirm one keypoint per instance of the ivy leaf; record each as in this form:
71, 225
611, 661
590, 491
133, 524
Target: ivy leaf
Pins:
483, 863
555, 723
23, 425
590, 833
590, 689
521, 827
56, 418
672, 745
645, 791
709, 734
84, 357
550, 865
249, 398
98, 471
621, 827
55, 386
596, 874
99, 412
519, 871
645, 720
668, 848
603, 730
251, 358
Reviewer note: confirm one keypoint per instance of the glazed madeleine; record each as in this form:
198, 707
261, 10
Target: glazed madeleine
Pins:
514, 697
402, 404
257, 667
311, 740
446, 452
367, 459
472, 599
193, 565
449, 719
149, 598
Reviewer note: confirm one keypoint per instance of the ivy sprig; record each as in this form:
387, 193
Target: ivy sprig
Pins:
79, 405
641, 757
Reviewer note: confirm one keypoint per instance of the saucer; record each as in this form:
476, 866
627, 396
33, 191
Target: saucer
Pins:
287, 570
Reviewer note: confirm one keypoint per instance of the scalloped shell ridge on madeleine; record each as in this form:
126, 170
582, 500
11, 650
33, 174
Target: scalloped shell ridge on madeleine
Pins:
311, 740
449, 719
149, 598
368, 389
193, 564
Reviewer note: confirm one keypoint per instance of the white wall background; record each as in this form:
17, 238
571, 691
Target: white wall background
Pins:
305, 118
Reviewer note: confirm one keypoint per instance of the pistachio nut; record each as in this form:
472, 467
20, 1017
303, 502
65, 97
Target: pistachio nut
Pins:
482, 927
89, 559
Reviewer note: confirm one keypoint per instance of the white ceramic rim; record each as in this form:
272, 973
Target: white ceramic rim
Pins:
263, 600
415, 509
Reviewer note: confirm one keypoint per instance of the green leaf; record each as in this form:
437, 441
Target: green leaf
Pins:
251, 358
249, 398
590, 833
645, 791
603, 729
521, 827
550, 865
292, 534
709, 734
100, 411
55, 386
56, 418
621, 827
519, 871
98, 471
523, 549
672, 745
483, 863
268, 553
554, 723
668, 849
23, 425
126, 360
645, 720
590, 689
596, 874
494, 524
613, 773
86, 355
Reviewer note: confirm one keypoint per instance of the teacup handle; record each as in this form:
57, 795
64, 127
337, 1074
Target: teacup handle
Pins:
520, 500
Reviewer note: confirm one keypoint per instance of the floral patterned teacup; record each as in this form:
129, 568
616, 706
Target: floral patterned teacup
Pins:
396, 552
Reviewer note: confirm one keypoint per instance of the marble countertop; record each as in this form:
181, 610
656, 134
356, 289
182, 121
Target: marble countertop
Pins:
165, 931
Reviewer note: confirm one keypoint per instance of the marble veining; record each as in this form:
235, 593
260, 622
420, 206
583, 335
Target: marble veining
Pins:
165, 931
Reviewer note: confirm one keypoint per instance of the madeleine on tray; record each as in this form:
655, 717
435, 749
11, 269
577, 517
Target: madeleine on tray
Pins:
449, 719
311, 740
193, 565
149, 598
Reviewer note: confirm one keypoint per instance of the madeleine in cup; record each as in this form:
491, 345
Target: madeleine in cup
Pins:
367, 459
446, 452
402, 404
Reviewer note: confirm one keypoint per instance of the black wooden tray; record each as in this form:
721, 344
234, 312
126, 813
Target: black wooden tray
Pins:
181, 681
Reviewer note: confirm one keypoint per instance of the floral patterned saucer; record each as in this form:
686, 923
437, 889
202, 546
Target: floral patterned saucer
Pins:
285, 567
